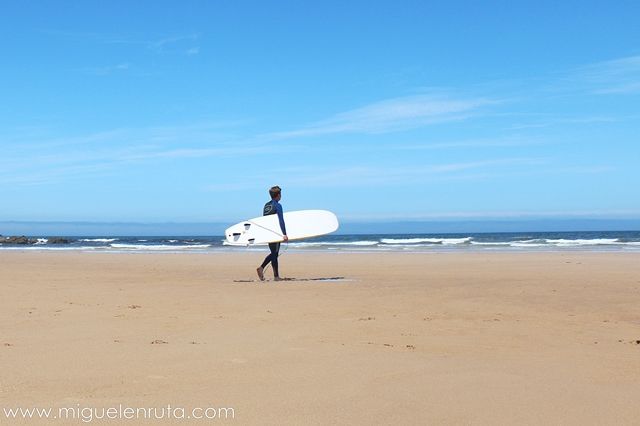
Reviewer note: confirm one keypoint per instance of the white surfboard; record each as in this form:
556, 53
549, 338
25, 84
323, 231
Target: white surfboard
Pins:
266, 229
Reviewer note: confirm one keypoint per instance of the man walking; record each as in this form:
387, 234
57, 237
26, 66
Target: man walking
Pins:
273, 207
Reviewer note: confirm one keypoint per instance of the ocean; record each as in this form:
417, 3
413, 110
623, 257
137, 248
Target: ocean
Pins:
505, 241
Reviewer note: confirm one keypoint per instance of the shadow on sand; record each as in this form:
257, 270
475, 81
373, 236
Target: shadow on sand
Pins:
294, 279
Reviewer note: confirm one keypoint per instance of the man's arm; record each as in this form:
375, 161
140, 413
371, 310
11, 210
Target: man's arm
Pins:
281, 219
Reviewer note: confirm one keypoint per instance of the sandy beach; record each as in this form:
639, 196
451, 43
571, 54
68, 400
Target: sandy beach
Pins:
415, 338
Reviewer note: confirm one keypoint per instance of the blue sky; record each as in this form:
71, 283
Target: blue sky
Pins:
189, 111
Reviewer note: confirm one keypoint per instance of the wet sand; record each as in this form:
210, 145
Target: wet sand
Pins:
403, 338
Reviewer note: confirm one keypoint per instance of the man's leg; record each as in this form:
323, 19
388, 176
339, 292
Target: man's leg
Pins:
273, 258
267, 259
275, 249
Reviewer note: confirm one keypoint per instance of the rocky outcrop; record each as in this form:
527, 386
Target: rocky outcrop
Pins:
57, 240
24, 241
18, 240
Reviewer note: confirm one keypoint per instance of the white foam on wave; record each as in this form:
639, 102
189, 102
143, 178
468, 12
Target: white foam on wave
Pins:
336, 243
159, 247
445, 241
98, 240
36, 247
536, 242
489, 243
584, 242
527, 245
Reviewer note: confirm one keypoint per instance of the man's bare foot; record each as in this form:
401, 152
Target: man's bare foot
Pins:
260, 273
277, 279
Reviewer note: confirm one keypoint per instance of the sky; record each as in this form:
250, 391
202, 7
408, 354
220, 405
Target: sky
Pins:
154, 111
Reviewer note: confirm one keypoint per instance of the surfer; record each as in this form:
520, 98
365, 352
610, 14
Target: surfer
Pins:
273, 207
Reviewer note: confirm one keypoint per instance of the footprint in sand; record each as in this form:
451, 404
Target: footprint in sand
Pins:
159, 342
8, 344
134, 306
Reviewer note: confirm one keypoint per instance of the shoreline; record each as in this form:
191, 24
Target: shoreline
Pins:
377, 243
284, 250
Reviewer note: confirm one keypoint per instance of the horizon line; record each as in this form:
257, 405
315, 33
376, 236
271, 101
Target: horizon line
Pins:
349, 221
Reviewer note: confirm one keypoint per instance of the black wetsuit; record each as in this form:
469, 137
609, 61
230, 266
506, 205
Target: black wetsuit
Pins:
274, 207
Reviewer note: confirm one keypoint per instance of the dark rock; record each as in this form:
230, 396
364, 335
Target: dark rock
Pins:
22, 240
18, 240
57, 240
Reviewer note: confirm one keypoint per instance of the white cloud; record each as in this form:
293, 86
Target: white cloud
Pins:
366, 175
181, 43
107, 70
502, 214
42, 161
471, 143
394, 114
618, 76
622, 89
369, 175
173, 44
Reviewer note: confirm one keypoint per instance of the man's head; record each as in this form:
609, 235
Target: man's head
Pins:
275, 192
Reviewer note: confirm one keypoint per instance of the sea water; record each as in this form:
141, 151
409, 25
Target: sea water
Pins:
511, 241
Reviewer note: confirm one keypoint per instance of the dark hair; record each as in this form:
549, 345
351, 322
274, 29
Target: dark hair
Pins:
274, 191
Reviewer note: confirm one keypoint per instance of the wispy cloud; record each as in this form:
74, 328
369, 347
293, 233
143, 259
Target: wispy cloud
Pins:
53, 176
106, 70
176, 44
502, 214
220, 152
505, 142
173, 44
367, 175
622, 89
394, 114
618, 76
40, 161
559, 121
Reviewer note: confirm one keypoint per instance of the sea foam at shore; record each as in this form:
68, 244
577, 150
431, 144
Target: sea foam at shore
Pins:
534, 241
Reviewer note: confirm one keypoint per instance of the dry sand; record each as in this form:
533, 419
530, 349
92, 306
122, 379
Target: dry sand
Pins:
437, 338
